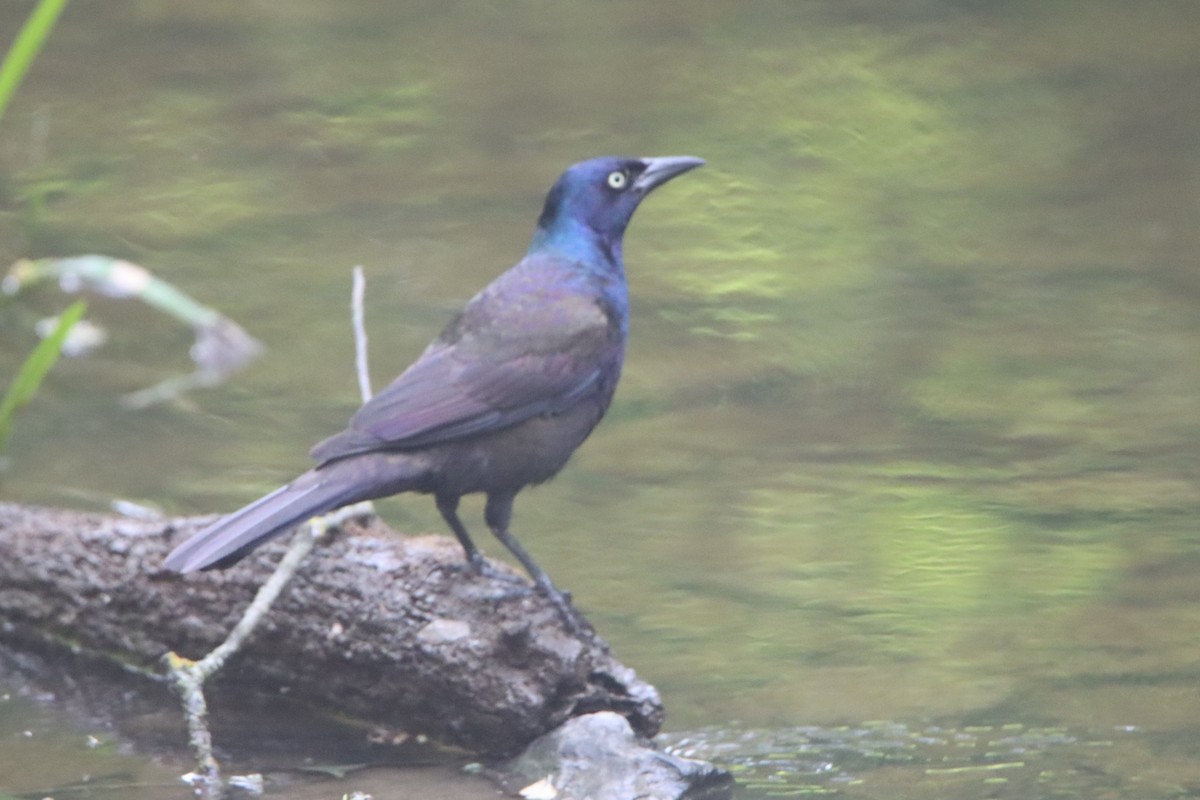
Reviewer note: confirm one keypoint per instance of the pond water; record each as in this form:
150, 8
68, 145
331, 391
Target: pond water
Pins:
900, 491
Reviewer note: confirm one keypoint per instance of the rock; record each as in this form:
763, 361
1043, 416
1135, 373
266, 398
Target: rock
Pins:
599, 757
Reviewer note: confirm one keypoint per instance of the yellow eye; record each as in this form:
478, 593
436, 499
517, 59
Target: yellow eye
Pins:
617, 179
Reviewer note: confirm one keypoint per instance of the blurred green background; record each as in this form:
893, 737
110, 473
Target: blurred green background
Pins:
908, 428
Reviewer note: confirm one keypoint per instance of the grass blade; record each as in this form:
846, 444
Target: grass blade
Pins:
37, 364
26, 47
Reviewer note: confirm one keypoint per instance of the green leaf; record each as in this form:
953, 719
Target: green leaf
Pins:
26, 47
39, 362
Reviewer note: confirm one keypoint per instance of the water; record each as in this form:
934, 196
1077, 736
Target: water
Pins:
908, 427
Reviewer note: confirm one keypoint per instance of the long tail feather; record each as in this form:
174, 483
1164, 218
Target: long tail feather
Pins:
317, 491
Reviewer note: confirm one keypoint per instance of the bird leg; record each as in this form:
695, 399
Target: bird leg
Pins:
498, 513
476, 563
447, 506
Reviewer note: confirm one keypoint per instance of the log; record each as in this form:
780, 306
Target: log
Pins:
388, 630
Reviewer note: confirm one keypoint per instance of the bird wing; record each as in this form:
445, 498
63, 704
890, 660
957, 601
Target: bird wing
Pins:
531, 343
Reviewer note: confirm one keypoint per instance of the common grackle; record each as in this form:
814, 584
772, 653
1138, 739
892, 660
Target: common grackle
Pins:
500, 400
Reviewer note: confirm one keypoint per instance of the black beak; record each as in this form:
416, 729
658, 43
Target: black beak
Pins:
660, 170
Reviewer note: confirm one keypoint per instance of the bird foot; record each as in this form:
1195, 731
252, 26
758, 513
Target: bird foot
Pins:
561, 600
514, 586
574, 621
485, 569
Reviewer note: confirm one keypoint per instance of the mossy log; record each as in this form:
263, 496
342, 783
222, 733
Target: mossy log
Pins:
376, 627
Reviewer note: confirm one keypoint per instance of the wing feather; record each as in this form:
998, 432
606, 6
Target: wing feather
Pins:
531, 343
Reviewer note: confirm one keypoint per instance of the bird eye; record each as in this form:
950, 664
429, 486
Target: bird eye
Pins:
617, 179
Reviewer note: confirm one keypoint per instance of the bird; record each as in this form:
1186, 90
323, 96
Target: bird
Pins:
500, 400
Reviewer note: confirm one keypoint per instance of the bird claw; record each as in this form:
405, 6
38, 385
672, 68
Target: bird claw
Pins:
483, 568
561, 600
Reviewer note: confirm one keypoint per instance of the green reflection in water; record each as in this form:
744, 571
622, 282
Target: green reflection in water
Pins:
909, 421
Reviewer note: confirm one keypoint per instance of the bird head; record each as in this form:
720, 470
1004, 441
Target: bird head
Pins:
593, 200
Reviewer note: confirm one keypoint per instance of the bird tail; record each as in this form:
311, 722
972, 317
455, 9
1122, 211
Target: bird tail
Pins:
330, 486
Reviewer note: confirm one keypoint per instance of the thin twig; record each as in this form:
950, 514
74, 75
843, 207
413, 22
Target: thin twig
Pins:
302, 543
188, 676
360, 334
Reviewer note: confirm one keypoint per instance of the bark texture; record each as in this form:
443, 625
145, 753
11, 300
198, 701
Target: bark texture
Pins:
384, 629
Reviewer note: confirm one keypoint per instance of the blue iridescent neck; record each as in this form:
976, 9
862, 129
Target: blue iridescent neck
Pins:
577, 242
